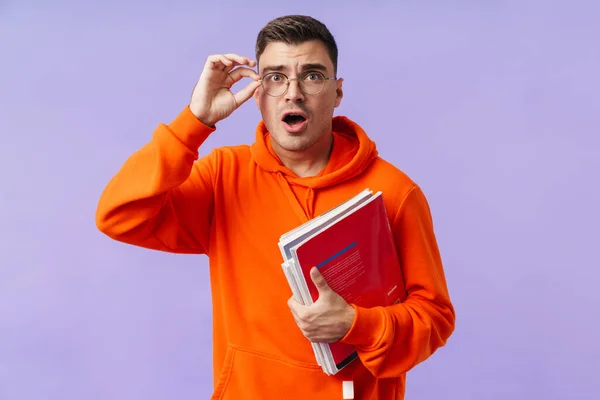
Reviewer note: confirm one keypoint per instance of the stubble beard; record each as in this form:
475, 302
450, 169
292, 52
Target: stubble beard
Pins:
300, 141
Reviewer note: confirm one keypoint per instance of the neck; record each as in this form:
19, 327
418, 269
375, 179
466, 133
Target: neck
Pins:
308, 162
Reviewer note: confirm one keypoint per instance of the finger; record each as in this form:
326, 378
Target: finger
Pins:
318, 280
291, 302
228, 61
217, 62
294, 306
299, 311
235, 63
241, 60
244, 94
242, 72
219, 58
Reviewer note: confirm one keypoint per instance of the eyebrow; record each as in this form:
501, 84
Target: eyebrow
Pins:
305, 67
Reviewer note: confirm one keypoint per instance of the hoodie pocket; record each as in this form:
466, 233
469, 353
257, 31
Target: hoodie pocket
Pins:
250, 374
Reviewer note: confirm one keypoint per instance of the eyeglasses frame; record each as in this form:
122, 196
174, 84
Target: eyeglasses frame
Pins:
289, 80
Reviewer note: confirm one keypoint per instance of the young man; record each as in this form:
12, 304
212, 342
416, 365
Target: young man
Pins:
234, 203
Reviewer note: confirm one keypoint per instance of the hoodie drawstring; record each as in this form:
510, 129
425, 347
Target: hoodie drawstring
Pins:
289, 194
309, 202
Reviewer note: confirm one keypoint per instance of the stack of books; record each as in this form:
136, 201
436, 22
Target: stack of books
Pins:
353, 247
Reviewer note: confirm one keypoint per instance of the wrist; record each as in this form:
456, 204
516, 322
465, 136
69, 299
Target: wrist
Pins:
189, 130
204, 119
349, 318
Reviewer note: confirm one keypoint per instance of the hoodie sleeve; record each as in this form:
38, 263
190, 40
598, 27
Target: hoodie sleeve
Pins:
162, 197
392, 340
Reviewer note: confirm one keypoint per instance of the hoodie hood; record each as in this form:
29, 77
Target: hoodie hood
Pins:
353, 151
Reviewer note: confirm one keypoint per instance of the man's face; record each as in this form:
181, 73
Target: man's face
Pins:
313, 111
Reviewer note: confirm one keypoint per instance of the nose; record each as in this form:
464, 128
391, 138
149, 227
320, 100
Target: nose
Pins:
294, 93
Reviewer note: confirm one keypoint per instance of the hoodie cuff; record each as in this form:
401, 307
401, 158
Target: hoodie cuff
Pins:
367, 329
189, 130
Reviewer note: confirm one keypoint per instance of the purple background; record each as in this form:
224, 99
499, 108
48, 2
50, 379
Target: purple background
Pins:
493, 107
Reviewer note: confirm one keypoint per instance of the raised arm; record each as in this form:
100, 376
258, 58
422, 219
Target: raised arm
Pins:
162, 197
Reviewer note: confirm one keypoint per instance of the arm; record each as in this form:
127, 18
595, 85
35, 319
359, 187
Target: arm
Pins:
162, 197
392, 340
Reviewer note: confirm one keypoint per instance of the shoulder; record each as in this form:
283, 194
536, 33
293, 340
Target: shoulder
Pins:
391, 171
223, 163
397, 186
390, 177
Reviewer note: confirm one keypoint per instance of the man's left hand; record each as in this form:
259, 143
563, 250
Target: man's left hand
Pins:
326, 320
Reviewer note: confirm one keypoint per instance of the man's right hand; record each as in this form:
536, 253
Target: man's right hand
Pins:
212, 99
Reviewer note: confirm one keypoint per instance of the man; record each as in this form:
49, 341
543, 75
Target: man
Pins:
234, 203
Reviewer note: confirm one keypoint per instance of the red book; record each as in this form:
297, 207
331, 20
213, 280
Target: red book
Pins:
353, 248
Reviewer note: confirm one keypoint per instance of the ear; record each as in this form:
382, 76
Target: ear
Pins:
256, 96
257, 92
339, 92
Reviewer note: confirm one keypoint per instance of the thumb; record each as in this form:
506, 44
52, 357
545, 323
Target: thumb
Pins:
318, 280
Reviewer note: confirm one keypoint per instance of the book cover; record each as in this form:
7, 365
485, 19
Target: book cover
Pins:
358, 259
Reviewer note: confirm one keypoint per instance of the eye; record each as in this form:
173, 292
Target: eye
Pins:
275, 78
313, 76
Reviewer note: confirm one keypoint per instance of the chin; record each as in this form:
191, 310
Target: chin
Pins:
294, 142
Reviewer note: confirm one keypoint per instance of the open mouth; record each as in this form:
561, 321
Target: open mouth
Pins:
294, 119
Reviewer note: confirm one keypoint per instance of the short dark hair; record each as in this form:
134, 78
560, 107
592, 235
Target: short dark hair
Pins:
296, 29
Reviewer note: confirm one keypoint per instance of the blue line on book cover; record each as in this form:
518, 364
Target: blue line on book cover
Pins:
339, 253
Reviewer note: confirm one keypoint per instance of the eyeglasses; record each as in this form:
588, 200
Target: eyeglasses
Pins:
311, 82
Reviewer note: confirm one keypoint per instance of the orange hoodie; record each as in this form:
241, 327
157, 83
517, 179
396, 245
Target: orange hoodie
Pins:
233, 205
